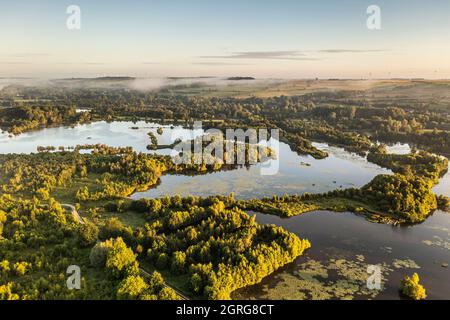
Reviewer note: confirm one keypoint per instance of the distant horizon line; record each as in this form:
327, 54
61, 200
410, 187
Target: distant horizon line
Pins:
213, 77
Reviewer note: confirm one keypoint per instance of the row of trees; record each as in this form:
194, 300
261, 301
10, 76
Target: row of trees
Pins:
25, 118
397, 197
421, 163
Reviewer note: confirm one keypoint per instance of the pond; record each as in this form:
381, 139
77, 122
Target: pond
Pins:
115, 134
297, 174
344, 245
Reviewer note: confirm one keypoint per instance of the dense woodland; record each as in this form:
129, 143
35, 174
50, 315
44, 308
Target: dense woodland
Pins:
220, 249
213, 245
25, 118
340, 118
40, 240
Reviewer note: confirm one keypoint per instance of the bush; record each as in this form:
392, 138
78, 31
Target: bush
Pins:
98, 255
113, 228
131, 287
6, 292
167, 294
121, 260
162, 261
20, 268
411, 288
178, 262
87, 234
4, 267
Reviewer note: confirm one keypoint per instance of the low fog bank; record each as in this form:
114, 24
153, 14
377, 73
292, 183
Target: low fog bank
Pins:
27, 82
154, 84
139, 84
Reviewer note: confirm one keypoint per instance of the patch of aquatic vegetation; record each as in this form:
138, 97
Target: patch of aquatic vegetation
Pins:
341, 279
405, 264
336, 279
438, 242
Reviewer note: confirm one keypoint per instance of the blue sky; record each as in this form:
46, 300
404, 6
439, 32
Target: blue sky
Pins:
292, 39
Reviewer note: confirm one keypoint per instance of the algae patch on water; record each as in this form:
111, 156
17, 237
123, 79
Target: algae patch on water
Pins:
438, 242
406, 264
334, 278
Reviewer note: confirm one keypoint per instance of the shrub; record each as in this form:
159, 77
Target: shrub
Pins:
410, 287
131, 287
87, 234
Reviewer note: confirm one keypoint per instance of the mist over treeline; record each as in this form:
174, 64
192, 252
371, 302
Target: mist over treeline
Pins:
136, 83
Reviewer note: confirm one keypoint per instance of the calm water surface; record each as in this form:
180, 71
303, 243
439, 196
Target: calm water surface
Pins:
297, 174
400, 251
343, 244
116, 134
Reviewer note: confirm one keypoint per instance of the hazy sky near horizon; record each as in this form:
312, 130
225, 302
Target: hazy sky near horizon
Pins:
266, 39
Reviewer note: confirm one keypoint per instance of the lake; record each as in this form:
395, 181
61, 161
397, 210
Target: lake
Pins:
115, 134
297, 174
343, 244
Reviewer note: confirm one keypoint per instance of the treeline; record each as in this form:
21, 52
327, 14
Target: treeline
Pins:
340, 118
420, 163
387, 198
305, 131
111, 172
219, 152
437, 141
21, 119
103, 174
410, 198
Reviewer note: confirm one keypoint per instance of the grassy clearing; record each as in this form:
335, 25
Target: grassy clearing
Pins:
128, 218
178, 282
67, 193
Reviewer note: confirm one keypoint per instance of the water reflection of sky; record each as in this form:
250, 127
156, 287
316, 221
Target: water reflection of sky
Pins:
333, 235
116, 134
347, 236
444, 186
339, 169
